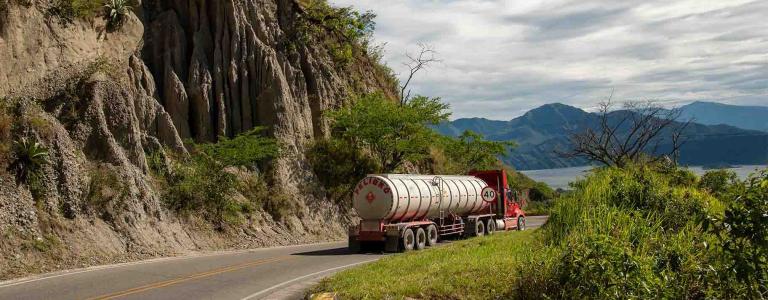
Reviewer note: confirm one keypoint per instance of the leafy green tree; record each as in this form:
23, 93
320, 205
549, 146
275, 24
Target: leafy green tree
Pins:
718, 182
472, 152
201, 182
246, 149
339, 166
541, 192
743, 233
391, 133
202, 185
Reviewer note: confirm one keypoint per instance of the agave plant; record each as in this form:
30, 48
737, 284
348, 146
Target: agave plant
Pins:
30, 156
117, 10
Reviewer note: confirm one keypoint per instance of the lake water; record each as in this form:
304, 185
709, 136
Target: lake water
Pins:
559, 178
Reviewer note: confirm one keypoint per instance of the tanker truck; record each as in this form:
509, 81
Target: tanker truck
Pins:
402, 212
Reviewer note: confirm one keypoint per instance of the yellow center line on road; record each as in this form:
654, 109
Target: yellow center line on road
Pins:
188, 278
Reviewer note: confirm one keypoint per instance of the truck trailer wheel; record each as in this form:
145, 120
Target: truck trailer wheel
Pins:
432, 235
490, 226
521, 223
479, 228
409, 240
421, 239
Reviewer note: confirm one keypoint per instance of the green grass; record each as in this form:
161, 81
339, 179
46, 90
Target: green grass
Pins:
477, 268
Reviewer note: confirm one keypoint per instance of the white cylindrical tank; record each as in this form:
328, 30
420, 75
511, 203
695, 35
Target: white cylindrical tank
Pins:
398, 197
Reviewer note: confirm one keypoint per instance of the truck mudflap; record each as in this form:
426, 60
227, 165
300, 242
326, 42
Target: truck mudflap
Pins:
393, 235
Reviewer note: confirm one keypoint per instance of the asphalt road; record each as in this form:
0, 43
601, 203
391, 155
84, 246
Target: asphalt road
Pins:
268, 273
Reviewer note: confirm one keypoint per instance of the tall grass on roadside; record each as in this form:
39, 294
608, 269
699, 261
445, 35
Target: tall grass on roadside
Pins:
631, 233
479, 268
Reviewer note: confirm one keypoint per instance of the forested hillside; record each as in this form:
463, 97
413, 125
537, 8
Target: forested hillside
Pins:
711, 113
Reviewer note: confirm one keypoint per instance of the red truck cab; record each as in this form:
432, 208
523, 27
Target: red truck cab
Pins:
509, 203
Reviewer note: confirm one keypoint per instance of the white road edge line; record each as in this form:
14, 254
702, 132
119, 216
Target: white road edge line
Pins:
35, 278
252, 296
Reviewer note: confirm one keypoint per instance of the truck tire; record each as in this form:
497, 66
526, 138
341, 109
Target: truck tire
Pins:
409, 240
421, 239
490, 226
432, 235
520, 223
479, 228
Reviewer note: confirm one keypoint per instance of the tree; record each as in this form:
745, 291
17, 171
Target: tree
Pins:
426, 56
743, 234
718, 182
625, 136
247, 149
391, 133
470, 151
541, 192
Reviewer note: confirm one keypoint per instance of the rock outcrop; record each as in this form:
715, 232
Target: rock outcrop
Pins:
177, 69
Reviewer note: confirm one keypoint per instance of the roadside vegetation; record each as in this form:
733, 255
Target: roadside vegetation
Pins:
467, 269
643, 231
208, 181
637, 227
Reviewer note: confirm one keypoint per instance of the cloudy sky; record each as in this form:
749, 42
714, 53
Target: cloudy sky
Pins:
502, 58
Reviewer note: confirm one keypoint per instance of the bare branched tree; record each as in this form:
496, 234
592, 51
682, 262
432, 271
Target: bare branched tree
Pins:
625, 136
427, 55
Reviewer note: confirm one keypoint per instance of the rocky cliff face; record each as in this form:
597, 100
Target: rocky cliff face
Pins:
99, 100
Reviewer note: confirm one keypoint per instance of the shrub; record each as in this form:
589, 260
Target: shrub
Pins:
106, 188
273, 200
117, 10
43, 244
718, 182
201, 185
209, 181
339, 167
629, 233
638, 233
247, 149
30, 156
541, 192
743, 234
343, 30
69, 10
538, 208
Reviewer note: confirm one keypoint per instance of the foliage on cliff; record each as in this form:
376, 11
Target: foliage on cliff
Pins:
346, 35
207, 182
344, 31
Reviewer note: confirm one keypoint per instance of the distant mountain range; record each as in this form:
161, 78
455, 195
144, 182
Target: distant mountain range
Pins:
545, 129
711, 113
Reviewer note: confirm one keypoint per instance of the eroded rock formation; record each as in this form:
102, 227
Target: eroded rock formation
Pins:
176, 69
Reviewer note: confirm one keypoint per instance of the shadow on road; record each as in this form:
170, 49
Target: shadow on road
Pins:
326, 252
337, 251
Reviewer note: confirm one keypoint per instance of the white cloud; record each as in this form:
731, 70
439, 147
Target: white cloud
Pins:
502, 58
